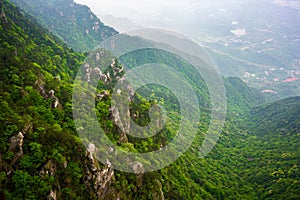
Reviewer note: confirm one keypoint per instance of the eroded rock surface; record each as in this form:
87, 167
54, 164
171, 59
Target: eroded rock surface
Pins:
98, 179
16, 146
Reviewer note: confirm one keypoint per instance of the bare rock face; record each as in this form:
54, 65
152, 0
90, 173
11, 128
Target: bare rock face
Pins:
52, 195
3, 16
49, 168
120, 109
137, 167
115, 69
16, 144
103, 94
39, 86
92, 72
27, 128
55, 101
87, 70
121, 119
96, 74
127, 87
98, 179
16, 141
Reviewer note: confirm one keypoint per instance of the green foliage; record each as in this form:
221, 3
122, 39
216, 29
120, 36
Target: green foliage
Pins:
30, 54
73, 23
29, 187
256, 157
270, 153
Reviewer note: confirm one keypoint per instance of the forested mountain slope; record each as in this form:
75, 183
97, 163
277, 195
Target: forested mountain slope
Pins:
281, 117
270, 151
240, 96
42, 157
74, 23
37, 137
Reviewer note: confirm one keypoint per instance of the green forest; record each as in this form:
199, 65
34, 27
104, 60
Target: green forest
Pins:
43, 157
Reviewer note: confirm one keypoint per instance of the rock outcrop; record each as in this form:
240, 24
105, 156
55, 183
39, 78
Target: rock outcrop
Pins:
98, 179
96, 74
3, 16
16, 146
39, 86
121, 119
52, 195
16, 143
103, 94
49, 168
120, 108
159, 194
55, 101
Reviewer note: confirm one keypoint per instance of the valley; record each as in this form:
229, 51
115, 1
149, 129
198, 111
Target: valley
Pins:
44, 156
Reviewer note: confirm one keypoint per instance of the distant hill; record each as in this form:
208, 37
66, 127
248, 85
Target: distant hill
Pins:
240, 96
74, 23
42, 157
268, 151
120, 24
257, 41
279, 117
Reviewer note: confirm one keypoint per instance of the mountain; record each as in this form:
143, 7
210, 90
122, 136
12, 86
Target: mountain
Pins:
75, 24
42, 156
240, 96
281, 117
256, 41
270, 150
36, 131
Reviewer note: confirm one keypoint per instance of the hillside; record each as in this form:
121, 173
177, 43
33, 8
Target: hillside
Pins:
281, 117
254, 40
42, 156
75, 24
36, 127
270, 149
241, 97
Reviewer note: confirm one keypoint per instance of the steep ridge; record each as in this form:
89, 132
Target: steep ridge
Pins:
42, 157
74, 23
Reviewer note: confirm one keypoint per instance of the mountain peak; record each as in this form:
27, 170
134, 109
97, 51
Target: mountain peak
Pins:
75, 24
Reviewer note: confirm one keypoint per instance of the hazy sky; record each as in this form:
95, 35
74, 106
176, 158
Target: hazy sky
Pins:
121, 8
155, 13
186, 16
128, 8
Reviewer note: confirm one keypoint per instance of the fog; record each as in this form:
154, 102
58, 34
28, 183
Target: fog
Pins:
172, 14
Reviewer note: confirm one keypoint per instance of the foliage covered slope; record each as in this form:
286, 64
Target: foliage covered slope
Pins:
51, 160
280, 117
270, 149
74, 23
33, 62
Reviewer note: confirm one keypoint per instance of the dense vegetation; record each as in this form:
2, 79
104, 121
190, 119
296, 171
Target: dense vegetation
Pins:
33, 62
256, 157
271, 149
74, 23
